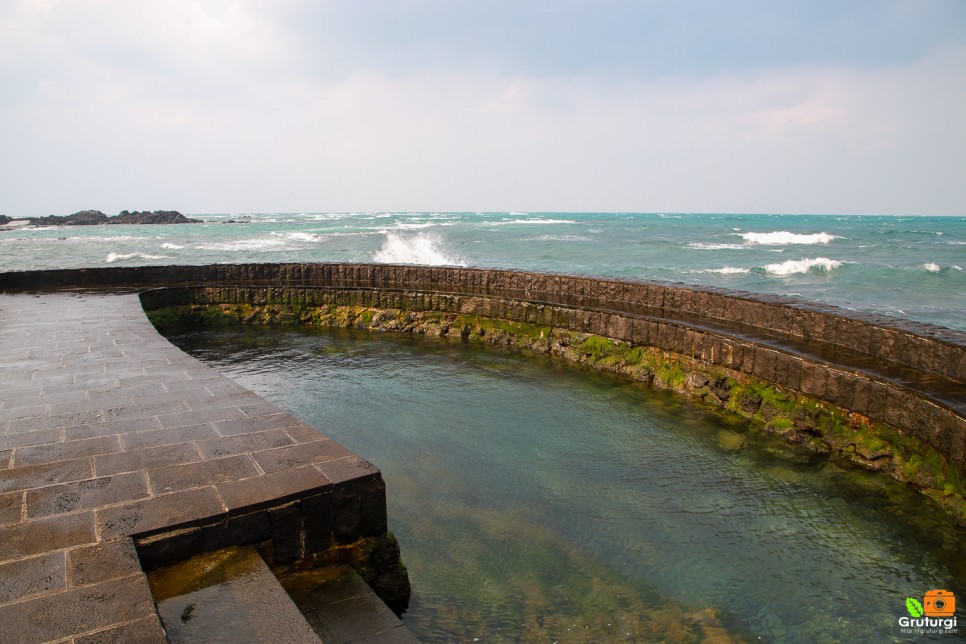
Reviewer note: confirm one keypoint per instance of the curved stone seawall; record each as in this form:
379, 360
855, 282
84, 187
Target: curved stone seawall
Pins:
909, 375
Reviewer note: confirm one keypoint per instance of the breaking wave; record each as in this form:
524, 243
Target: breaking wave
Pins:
112, 257
255, 244
418, 249
170, 246
702, 246
300, 236
793, 266
728, 270
783, 237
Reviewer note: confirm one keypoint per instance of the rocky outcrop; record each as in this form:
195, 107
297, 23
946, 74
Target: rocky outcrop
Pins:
4, 220
97, 218
82, 218
156, 217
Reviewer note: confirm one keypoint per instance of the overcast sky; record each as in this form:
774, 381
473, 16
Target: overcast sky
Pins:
810, 106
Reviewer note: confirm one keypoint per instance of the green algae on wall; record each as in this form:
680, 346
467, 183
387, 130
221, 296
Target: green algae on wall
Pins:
814, 424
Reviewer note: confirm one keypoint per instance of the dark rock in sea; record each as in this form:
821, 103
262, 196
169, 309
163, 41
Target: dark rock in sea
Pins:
96, 218
4, 220
82, 218
156, 217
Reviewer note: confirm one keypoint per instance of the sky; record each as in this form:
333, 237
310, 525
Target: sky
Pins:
799, 106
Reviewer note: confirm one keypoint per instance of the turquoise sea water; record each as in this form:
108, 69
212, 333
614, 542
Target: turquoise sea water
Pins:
901, 266
536, 501
539, 501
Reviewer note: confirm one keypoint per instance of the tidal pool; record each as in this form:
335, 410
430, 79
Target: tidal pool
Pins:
538, 501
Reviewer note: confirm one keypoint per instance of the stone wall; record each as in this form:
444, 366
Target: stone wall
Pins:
921, 346
905, 374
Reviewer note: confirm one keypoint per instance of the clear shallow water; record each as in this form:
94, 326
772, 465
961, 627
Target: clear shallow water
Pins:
902, 266
539, 501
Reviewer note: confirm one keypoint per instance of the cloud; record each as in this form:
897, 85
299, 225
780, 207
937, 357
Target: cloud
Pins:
232, 107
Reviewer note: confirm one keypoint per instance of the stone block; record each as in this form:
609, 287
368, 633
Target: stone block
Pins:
272, 488
86, 495
66, 451
286, 528
36, 476
169, 547
247, 425
239, 530
102, 561
79, 610
147, 458
317, 522
243, 443
167, 511
11, 508
202, 473
147, 630
171, 436
43, 535
22, 578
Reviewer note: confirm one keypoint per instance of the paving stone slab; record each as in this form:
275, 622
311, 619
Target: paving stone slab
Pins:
110, 436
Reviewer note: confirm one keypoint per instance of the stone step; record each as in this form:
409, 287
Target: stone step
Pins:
232, 596
227, 596
342, 608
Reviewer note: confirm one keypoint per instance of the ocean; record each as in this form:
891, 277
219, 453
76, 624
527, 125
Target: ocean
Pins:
536, 500
907, 267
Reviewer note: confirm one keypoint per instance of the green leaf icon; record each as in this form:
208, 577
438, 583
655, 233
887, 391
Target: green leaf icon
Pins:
914, 607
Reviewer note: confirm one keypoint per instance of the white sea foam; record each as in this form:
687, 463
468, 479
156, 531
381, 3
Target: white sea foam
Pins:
932, 267
171, 246
406, 225
702, 246
101, 238
539, 220
783, 237
805, 265
560, 238
728, 270
255, 244
418, 249
112, 257
300, 236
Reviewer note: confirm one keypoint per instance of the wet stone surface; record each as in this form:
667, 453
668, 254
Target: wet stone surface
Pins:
110, 436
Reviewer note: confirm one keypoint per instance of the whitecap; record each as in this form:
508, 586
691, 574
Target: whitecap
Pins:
418, 249
112, 257
256, 244
932, 267
783, 237
403, 225
793, 266
170, 246
728, 270
559, 238
540, 220
703, 246
300, 236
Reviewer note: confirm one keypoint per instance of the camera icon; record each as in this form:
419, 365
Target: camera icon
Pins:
939, 603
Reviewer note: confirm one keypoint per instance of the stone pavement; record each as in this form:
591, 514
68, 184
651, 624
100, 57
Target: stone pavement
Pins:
118, 450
